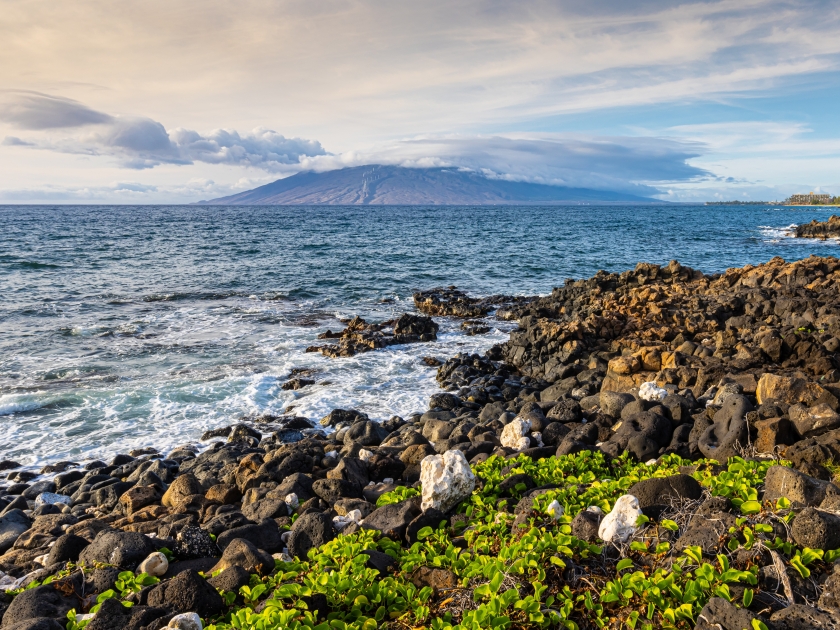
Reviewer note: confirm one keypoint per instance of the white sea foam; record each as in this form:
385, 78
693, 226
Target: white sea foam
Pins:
203, 368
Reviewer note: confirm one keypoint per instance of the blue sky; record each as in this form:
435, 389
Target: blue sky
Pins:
179, 100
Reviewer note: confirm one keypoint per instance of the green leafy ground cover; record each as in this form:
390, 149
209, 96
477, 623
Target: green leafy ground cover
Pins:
536, 575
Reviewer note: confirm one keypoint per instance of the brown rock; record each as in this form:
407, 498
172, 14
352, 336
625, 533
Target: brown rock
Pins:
223, 493
139, 497
436, 578
812, 421
772, 432
792, 391
183, 486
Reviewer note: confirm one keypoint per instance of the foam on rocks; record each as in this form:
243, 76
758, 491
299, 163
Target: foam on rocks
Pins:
650, 391
186, 621
51, 498
515, 434
620, 524
446, 480
155, 564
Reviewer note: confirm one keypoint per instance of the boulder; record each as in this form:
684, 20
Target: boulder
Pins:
265, 535
792, 391
393, 520
242, 554
798, 488
138, 497
232, 578
446, 480
719, 614
66, 548
41, 601
612, 403
187, 592
184, 486
657, 494
515, 434
112, 615
332, 490
36, 623
620, 524
729, 432
12, 525
706, 531
310, 530
813, 421
816, 529
585, 524
802, 617
123, 549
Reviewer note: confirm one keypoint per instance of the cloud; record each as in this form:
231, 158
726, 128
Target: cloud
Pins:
35, 111
12, 141
612, 163
140, 142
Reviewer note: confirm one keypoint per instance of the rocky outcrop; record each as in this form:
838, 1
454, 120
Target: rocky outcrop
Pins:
360, 336
820, 229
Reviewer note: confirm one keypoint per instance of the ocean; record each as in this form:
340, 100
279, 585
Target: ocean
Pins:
124, 327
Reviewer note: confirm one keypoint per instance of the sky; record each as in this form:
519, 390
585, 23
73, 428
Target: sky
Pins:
173, 101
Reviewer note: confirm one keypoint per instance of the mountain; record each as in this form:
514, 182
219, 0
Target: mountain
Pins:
396, 185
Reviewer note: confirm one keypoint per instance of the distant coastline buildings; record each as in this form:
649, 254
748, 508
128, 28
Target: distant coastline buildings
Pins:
812, 199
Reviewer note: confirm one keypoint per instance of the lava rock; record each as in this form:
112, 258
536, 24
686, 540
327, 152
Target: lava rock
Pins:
308, 531
657, 494
187, 592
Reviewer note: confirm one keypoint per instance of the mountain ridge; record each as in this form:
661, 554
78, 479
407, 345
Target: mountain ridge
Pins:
395, 185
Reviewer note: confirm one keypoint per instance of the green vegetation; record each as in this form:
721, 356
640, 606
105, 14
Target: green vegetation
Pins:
535, 574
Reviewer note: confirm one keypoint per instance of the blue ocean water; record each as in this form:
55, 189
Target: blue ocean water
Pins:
124, 327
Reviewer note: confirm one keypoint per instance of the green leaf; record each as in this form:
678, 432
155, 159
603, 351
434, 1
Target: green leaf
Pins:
750, 507
748, 597
669, 525
626, 563
642, 520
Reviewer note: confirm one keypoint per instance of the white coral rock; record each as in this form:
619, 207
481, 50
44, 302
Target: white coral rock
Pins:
446, 480
155, 564
186, 621
365, 454
292, 501
620, 523
515, 434
650, 391
353, 516
555, 510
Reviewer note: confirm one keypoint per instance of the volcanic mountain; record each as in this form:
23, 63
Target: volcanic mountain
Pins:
396, 185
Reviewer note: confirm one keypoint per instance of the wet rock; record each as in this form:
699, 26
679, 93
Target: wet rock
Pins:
657, 494
342, 416
244, 555
187, 592
12, 524
123, 549
446, 480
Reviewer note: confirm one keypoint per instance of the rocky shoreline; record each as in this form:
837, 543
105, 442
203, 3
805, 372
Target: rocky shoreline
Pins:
820, 229
655, 448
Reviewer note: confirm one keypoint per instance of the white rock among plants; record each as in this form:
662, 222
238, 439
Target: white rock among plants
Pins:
446, 479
